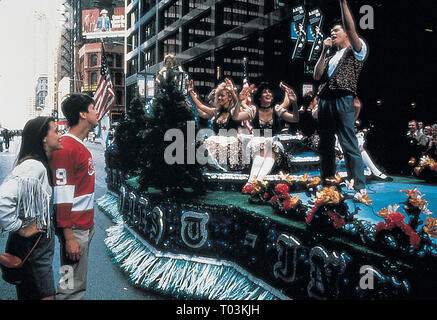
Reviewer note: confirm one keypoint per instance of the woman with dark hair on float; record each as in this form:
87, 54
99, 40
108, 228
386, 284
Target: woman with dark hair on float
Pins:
225, 145
26, 210
308, 124
265, 115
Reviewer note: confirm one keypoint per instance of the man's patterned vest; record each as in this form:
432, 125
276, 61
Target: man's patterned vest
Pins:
345, 76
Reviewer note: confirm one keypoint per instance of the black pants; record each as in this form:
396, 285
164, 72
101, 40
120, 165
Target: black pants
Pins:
336, 116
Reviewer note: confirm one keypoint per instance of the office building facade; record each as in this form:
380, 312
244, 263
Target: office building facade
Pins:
210, 39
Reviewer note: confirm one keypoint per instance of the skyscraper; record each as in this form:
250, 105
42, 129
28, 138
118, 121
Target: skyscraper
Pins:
210, 39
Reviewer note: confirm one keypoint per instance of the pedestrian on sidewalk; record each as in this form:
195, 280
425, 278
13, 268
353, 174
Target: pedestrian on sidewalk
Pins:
7, 137
26, 209
74, 179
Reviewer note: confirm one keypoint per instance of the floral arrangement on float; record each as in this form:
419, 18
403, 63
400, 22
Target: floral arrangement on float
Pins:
329, 201
278, 195
407, 235
426, 162
329, 207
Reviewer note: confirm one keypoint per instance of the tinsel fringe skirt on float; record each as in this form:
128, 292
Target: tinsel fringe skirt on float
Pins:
179, 275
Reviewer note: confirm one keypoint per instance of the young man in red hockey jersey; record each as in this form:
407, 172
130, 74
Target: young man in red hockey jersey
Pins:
73, 174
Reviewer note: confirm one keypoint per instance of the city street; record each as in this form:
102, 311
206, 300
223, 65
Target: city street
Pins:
105, 280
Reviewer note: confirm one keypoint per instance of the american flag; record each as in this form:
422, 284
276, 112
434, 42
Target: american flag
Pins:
247, 123
104, 96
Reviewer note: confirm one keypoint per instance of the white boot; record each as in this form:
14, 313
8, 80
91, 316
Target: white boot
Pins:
256, 167
266, 168
375, 171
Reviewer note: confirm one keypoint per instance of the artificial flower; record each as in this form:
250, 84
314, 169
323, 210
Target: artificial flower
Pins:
349, 184
313, 182
363, 198
336, 179
426, 161
384, 212
282, 188
290, 202
304, 178
418, 170
337, 221
285, 177
247, 189
329, 195
397, 219
431, 227
415, 199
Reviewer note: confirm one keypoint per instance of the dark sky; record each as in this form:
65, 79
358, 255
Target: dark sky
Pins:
402, 59
400, 69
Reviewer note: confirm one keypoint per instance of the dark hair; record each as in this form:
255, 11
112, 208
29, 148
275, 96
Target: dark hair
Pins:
259, 90
32, 147
336, 22
73, 104
308, 98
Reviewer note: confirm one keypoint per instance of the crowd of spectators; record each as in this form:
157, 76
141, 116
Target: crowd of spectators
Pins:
422, 143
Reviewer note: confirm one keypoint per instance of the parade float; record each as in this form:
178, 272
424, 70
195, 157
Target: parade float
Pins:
193, 232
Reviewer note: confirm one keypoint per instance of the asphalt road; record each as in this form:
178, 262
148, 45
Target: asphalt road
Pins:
105, 280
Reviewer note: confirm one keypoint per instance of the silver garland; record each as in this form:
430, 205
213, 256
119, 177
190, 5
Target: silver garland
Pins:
179, 275
183, 275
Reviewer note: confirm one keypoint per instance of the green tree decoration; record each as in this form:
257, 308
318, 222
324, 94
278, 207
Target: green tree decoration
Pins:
128, 140
169, 111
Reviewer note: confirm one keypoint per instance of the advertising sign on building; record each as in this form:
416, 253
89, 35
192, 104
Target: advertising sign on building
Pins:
103, 23
306, 88
150, 93
141, 82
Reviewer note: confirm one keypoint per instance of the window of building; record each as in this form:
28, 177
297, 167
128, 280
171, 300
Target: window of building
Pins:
110, 59
119, 97
239, 12
93, 60
132, 66
132, 42
119, 61
146, 5
171, 45
198, 31
118, 78
172, 13
149, 58
133, 18
195, 3
94, 78
148, 30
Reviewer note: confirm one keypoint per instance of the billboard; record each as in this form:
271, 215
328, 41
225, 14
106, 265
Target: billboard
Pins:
103, 23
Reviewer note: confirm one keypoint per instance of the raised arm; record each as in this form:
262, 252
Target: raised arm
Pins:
230, 86
349, 26
289, 98
240, 115
320, 65
204, 111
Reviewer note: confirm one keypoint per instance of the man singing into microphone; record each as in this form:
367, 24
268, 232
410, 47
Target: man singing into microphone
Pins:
339, 77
